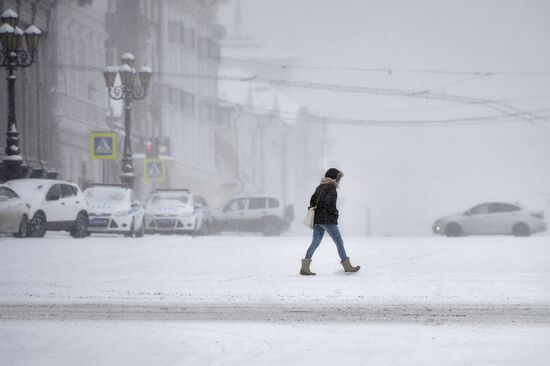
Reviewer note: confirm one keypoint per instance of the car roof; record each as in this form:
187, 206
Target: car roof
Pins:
39, 181
172, 191
500, 202
111, 186
239, 197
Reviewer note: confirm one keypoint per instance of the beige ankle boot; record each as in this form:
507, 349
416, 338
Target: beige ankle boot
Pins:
305, 268
348, 267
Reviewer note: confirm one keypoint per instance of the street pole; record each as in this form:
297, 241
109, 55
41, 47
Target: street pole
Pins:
128, 91
128, 175
12, 56
13, 159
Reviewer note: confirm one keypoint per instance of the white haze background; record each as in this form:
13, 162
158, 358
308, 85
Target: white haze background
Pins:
407, 176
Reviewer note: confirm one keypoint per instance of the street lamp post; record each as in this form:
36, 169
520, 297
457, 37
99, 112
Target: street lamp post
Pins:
128, 91
12, 56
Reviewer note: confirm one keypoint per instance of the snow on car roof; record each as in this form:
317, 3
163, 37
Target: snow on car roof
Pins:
169, 198
101, 193
31, 187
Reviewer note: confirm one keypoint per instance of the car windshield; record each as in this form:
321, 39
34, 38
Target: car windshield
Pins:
106, 194
169, 199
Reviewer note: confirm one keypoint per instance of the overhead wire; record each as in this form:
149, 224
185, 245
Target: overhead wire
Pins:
388, 70
495, 104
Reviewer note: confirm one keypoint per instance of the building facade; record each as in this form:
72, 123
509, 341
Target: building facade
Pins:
37, 130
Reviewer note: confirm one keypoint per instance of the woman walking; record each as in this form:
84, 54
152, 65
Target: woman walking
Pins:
326, 219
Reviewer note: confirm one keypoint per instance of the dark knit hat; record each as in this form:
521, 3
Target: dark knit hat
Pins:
332, 173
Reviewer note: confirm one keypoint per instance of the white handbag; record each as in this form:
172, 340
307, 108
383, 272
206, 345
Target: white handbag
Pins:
310, 217
308, 221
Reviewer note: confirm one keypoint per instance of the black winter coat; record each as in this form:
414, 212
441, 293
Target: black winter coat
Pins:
326, 212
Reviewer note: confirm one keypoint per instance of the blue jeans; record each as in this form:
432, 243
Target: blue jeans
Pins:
319, 232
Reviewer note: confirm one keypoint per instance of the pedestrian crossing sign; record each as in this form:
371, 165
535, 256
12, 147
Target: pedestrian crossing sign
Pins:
155, 170
103, 145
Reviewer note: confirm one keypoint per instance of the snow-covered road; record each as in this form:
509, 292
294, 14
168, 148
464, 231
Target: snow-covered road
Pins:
411, 313
238, 300
254, 269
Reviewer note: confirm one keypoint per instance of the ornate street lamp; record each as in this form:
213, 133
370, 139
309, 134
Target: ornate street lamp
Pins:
12, 56
128, 91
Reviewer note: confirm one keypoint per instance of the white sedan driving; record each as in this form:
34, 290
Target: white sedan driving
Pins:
492, 218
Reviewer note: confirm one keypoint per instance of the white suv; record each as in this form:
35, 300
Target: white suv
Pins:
262, 214
53, 205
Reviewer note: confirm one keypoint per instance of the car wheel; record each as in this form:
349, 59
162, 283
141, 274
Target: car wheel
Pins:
38, 225
141, 231
453, 230
80, 228
205, 228
23, 227
130, 233
271, 228
521, 229
214, 228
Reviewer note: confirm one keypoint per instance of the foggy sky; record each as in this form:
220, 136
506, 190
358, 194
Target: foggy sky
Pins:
408, 175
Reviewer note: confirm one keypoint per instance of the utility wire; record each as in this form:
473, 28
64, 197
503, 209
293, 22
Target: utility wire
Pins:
387, 70
492, 104
507, 117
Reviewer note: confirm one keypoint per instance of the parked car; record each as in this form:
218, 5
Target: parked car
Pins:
14, 213
53, 205
492, 218
177, 211
264, 214
114, 209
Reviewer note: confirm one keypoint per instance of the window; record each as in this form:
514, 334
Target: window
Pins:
68, 191
215, 50
502, 208
175, 31
237, 205
273, 203
189, 104
171, 95
225, 115
204, 110
8, 193
189, 38
201, 200
54, 193
204, 47
480, 210
256, 203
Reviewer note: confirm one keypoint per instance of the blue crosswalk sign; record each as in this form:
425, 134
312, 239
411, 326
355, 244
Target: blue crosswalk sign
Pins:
155, 170
103, 145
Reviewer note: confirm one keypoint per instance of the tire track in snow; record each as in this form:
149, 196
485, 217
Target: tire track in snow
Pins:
410, 313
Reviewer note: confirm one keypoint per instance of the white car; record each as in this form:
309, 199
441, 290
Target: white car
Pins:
492, 218
14, 213
53, 205
264, 214
177, 211
114, 209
